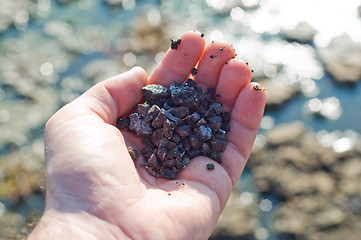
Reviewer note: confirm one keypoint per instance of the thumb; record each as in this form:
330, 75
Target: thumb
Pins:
115, 96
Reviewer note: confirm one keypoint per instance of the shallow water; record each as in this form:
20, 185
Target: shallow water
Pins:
53, 52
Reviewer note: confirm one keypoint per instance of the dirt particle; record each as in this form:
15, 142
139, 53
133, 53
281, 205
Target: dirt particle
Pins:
175, 43
194, 71
134, 154
210, 166
211, 56
202, 34
258, 87
221, 49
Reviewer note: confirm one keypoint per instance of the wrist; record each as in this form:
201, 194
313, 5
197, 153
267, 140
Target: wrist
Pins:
74, 225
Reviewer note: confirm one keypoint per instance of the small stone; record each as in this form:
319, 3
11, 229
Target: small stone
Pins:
187, 144
169, 163
143, 109
152, 112
192, 119
172, 145
194, 153
218, 144
168, 128
184, 130
186, 160
154, 92
194, 71
210, 112
153, 162
217, 156
190, 82
177, 153
146, 152
157, 136
204, 133
184, 96
215, 122
151, 171
226, 117
196, 143
167, 173
210, 166
180, 112
134, 154
206, 149
159, 119
201, 122
122, 122
220, 134
175, 43
170, 116
176, 138
138, 126
162, 154
211, 91
163, 143
217, 107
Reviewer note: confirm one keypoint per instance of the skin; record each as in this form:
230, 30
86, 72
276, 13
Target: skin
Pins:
96, 191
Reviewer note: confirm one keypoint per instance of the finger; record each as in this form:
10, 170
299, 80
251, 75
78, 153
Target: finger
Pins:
233, 77
178, 63
214, 57
217, 179
115, 96
245, 119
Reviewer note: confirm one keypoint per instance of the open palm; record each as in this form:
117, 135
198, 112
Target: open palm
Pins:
96, 191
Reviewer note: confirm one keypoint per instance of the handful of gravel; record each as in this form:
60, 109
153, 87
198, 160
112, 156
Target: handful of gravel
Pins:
176, 125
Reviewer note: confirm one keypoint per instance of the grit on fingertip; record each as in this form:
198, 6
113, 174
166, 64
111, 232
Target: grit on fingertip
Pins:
258, 87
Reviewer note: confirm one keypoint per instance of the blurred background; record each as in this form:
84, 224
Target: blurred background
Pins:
303, 178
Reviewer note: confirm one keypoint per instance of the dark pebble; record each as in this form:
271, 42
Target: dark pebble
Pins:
215, 122
154, 92
138, 126
152, 112
210, 166
175, 43
143, 109
206, 149
122, 122
168, 128
201, 122
167, 173
184, 130
194, 71
134, 154
195, 141
204, 133
218, 144
180, 112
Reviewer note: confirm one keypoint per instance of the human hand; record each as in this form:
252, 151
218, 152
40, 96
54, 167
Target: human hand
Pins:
96, 191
